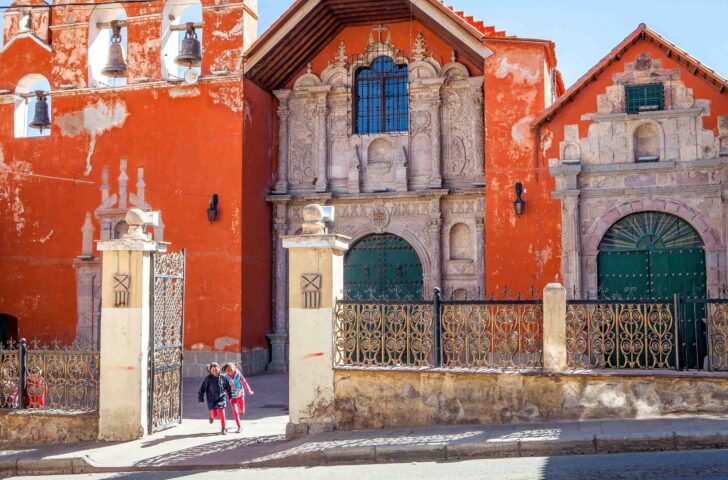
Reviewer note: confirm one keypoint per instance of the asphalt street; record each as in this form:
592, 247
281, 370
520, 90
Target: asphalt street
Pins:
703, 465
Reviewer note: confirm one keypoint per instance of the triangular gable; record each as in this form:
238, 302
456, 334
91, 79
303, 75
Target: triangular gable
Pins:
29, 35
309, 25
642, 32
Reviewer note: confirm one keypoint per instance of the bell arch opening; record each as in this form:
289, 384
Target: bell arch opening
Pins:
101, 52
32, 109
383, 266
176, 14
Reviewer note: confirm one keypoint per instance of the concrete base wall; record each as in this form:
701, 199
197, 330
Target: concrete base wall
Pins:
367, 399
41, 428
252, 362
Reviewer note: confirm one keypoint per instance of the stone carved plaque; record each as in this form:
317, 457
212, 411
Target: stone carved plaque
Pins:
380, 216
311, 290
122, 282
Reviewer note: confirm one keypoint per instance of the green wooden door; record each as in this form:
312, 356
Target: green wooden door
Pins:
383, 266
657, 255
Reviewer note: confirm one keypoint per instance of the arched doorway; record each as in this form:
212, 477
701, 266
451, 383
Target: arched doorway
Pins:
657, 256
8, 328
383, 266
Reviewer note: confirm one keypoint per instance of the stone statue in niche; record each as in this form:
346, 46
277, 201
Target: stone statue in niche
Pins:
354, 171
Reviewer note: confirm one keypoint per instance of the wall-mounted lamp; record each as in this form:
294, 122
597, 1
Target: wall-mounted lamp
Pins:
212, 209
520, 204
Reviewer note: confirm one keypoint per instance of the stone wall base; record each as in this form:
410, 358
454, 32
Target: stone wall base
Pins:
252, 362
28, 427
373, 399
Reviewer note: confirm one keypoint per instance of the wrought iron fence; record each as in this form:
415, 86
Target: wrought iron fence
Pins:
450, 334
10, 375
49, 376
687, 333
492, 334
621, 334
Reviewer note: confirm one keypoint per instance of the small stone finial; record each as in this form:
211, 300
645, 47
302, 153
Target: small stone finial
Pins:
313, 220
87, 243
453, 56
341, 57
309, 68
123, 181
418, 52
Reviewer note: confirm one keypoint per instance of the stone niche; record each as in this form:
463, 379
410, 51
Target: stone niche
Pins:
674, 134
443, 146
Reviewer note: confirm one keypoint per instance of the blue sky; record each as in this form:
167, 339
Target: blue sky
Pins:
585, 31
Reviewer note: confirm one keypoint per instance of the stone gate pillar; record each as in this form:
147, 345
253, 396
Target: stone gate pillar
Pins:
125, 315
316, 278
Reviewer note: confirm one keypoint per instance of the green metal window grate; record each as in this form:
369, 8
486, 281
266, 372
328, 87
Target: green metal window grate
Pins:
643, 98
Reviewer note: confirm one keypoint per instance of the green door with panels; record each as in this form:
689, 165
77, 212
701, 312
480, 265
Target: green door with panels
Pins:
656, 255
383, 266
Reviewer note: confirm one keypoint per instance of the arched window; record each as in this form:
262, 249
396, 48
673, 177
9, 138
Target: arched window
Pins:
99, 42
25, 104
646, 143
382, 97
177, 13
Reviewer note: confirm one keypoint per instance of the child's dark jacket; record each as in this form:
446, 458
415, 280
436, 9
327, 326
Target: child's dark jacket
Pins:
214, 388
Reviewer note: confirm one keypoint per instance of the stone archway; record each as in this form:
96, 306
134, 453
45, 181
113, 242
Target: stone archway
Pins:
714, 249
383, 265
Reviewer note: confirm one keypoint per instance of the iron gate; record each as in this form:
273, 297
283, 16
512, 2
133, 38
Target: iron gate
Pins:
166, 340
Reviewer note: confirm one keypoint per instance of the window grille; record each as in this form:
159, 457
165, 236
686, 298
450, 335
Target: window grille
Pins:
644, 98
382, 97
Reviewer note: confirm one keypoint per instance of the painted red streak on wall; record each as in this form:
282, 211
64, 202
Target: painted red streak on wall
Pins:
313, 355
189, 139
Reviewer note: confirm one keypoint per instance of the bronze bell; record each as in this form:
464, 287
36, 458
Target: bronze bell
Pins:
115, 64
41, 119
190, 54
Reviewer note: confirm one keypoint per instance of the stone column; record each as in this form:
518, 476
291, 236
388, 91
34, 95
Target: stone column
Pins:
436, 250
571, 243
125, 316
320, 140
554, 327
435, 135
283, 116
279, 337
316, 272
480, 255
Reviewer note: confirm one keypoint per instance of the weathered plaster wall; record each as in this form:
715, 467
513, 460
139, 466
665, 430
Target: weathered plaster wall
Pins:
380, 399
39, 428
188, 139
520, 252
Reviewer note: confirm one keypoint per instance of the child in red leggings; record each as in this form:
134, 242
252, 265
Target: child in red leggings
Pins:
239, 386
215, 387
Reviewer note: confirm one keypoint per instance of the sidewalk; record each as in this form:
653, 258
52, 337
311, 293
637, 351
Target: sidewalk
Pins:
196, 445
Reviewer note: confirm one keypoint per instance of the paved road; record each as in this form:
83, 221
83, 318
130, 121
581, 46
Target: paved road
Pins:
703, 465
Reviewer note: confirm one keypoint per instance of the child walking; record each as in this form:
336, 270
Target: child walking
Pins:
239, 387
215, 387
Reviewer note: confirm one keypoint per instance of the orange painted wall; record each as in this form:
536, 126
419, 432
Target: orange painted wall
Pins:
189, 139
586, 100
403, 35
520, 252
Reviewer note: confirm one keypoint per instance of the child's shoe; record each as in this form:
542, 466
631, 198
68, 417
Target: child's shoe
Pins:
223, 432
240, 429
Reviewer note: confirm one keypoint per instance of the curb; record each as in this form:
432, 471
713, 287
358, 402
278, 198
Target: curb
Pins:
358, 455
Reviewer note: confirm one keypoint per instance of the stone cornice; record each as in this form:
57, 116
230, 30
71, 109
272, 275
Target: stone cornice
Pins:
714, 190
161, 84
657, 114
631, 168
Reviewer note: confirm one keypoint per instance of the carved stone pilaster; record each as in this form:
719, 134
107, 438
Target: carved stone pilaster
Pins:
436, 247
320, 139
480, 255
571, 243
283, 115
280, 287
436, 177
